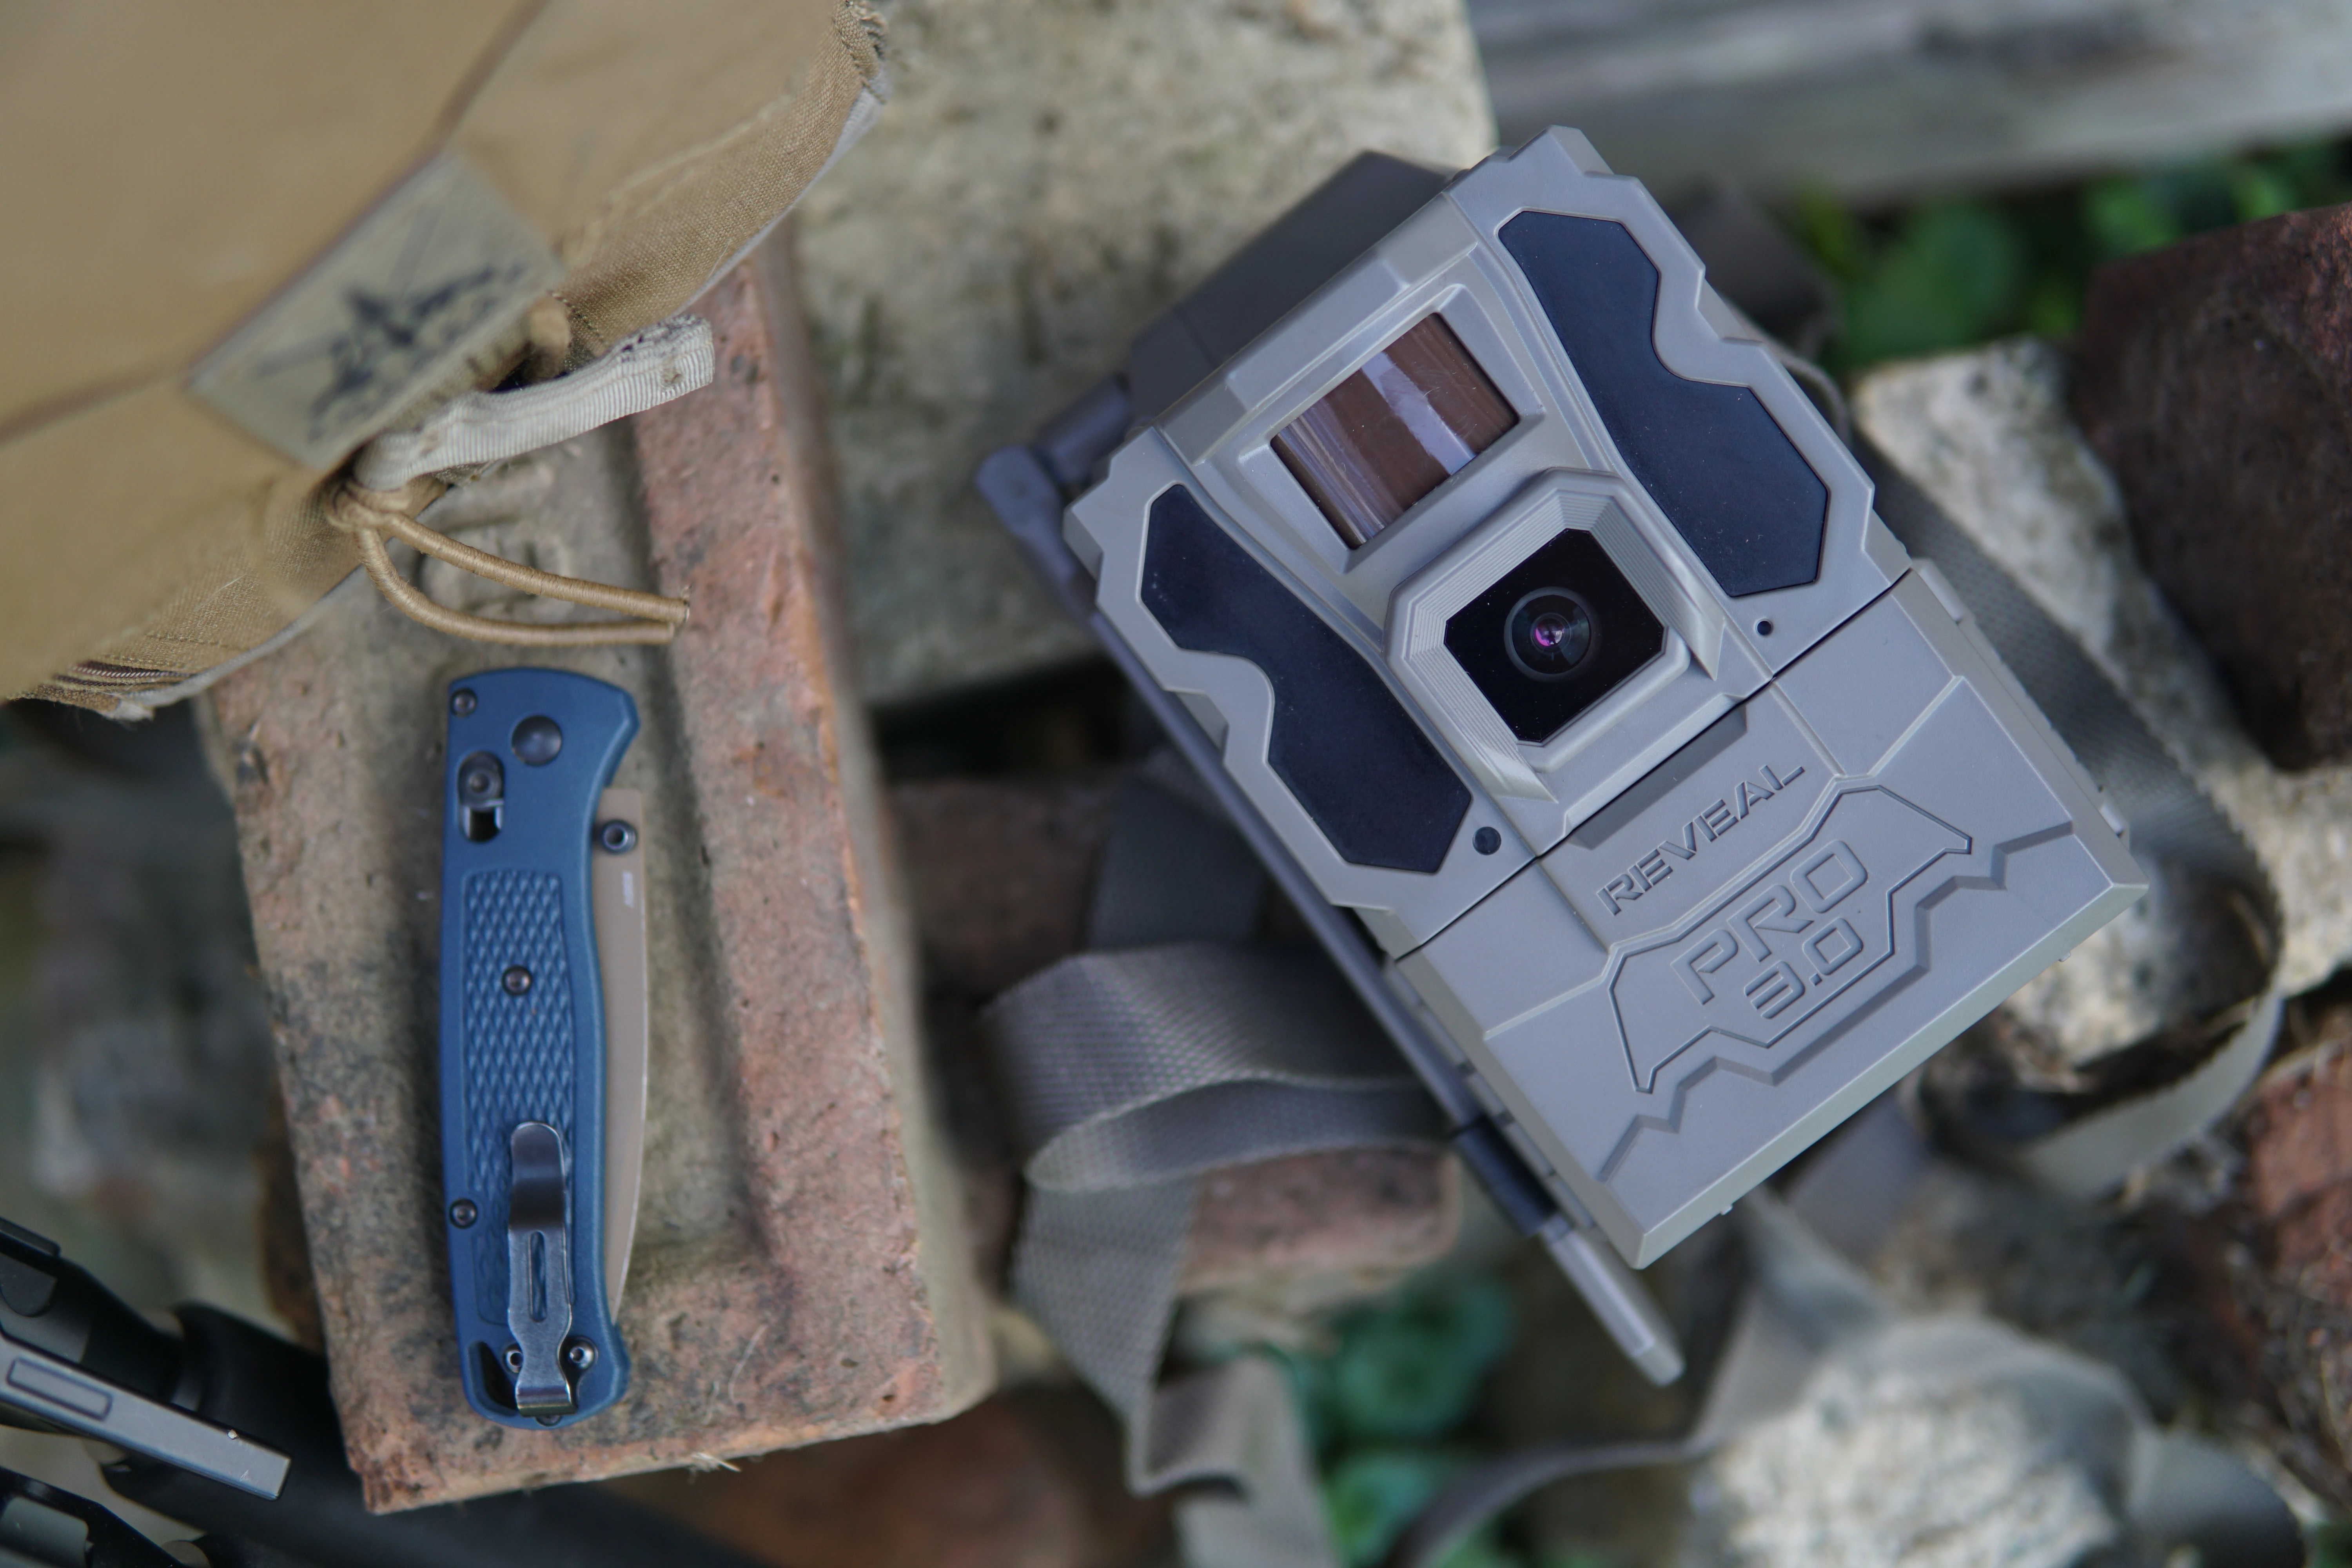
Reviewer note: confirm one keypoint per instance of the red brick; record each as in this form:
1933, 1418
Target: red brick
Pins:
801, 1272
1028, 1479
2215, 379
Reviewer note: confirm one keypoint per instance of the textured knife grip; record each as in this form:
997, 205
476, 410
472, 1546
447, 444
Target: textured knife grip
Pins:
520, 1050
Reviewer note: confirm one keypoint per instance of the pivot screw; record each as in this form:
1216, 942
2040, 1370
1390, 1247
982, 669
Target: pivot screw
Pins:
463, 703
463, 1212
516, 979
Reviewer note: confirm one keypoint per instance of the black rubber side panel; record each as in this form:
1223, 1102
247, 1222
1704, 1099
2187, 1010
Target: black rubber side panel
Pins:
1340, 220
1712, 456
1348, 751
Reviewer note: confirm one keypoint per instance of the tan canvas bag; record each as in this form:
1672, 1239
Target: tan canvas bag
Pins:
242, 239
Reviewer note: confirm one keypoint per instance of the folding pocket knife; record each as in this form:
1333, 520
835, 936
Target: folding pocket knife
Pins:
543, 1039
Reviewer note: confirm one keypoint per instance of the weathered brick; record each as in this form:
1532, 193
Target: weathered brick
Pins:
2215, 378
801, 1270
1378, 1212
1028, 1479
1000, 871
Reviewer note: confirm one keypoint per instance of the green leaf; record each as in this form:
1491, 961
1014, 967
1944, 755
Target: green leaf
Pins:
1952, 277
2126, 218
2314, 171
2053, 306
1410, 1367
2258, 193
1834, 235
2328, 1546
1481, 1551
1370, 1496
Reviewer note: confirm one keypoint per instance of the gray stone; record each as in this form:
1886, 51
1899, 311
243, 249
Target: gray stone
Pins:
1988, 435
1049, 174
1876, 1468
1975, 1241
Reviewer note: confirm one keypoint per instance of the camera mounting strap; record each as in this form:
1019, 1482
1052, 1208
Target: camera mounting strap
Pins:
1130, 1072
2106, 1136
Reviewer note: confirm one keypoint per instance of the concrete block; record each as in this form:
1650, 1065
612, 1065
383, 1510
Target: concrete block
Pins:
1050, 175
1880, 100
801, 1271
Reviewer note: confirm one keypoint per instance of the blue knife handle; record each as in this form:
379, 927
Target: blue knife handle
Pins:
522, 1042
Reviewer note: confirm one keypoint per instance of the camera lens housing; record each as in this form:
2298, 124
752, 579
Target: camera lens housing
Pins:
1556, 635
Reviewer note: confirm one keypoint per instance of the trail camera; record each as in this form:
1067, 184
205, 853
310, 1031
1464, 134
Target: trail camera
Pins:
1523, 599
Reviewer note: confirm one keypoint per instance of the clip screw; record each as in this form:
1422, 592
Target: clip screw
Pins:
463, 1212
580, 1355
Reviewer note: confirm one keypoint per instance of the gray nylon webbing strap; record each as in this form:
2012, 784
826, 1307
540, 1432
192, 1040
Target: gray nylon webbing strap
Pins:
1142, 1066
1806, 1296
1127, 1073
2171, 819
1172, 870
668, 359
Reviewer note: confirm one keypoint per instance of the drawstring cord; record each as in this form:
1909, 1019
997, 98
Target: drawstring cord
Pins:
369, 515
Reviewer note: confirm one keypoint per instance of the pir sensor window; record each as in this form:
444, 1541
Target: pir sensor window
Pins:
1394, 431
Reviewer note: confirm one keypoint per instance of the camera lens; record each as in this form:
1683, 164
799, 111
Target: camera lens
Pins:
1549, 633
1557, 633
